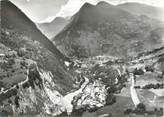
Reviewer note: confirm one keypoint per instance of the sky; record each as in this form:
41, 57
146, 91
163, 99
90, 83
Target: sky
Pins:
41, 11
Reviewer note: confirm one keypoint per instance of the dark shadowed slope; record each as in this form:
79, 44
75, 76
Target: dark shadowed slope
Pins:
107, 29
13, 18
20, 35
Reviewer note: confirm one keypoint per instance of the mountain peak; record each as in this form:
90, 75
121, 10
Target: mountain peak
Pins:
5, 1
8, 9
85, 9
14, 19
103, 3
86, 6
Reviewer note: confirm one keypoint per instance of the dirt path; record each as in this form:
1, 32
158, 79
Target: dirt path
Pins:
133, 92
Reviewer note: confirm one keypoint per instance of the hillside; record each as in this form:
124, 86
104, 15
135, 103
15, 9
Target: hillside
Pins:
37, 80
120, 58
14, 19
142, 9
105, 29
29, 64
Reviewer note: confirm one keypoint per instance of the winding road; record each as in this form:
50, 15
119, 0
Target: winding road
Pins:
19, 84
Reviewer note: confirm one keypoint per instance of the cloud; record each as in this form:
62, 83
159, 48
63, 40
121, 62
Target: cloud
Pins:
40, 10
73, 6
47, 10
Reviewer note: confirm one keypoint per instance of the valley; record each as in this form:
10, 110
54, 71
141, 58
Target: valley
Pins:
97, 64
113, 77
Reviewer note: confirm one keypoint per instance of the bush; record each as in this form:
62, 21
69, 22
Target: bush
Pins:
11, 61
138, 72
21, 52
128, 111
112, 89
141, 108
110, 99
137, 87
17, 101
149, 68
154, 86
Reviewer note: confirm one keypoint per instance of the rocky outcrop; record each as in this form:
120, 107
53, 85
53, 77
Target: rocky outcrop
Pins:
93, 96
37, 94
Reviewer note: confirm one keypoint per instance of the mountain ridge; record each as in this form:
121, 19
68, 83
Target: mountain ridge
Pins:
142, 9
52, 28
26, 43
9, 11
107, 22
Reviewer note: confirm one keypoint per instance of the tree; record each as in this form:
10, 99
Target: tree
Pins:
141, 108
128, 111
149, 68
110, 99
138, 72
11, 61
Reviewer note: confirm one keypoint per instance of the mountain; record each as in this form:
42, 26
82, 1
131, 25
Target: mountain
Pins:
142, 9
107, 29
54, 27
13, 18
31, 67
37, 80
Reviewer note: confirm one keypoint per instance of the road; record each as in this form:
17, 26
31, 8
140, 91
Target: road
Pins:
19, 84
133, 92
